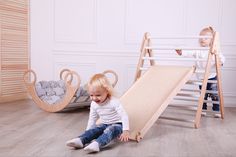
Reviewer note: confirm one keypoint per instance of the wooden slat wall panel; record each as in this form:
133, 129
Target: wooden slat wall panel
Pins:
14, 39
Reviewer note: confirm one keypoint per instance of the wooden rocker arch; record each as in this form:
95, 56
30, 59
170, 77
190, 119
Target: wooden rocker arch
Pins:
67, 76
70, 90
114, 74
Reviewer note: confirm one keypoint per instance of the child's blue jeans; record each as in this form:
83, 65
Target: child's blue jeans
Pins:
102, 133
214, 97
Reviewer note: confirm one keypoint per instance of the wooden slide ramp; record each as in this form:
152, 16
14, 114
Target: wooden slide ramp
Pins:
149, 96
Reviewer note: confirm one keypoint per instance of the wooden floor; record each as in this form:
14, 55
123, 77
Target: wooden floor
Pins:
27, 131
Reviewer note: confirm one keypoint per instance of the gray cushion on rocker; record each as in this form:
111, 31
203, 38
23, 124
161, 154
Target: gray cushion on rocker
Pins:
51, 91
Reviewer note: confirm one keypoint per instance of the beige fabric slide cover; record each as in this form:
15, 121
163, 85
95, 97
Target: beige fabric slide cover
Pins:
149, 96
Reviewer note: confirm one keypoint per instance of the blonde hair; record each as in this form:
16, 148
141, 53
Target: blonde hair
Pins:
100, 80
207, 29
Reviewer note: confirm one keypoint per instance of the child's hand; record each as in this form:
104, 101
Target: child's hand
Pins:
124, 136
179, 51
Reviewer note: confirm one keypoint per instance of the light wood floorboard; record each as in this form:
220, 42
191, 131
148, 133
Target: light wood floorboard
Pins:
27, 131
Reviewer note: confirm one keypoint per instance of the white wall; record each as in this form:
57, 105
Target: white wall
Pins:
90, 36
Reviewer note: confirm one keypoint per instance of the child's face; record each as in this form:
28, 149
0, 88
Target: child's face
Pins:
98, 94
205, 42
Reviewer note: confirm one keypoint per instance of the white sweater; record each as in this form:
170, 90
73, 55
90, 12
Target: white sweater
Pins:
202, 64
110, 112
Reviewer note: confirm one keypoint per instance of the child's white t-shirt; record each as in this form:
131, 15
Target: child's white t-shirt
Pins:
202, 64
110, 112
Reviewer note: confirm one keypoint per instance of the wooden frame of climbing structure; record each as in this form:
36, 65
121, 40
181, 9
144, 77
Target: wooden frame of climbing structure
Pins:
213, 55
